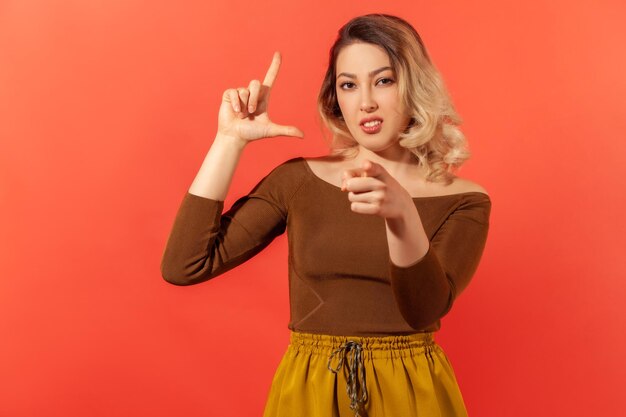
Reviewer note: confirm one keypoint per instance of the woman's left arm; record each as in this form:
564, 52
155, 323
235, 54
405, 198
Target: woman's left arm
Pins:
426, 288
426, 275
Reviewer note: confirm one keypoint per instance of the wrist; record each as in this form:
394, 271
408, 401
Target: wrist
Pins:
406, 211
231, 141
406, 215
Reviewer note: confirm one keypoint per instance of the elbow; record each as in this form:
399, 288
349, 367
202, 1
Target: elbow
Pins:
176, 280
419, 321
181, 277
427, 311
182, 269
170, 273
174, 277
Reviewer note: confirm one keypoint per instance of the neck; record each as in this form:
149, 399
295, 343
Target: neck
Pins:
398, 161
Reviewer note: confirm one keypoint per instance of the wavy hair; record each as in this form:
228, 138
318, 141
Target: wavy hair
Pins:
432, 135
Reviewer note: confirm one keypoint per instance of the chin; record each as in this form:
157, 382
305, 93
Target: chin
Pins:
377, 146
374, 143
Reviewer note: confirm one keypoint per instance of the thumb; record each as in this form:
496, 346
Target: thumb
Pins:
279, 130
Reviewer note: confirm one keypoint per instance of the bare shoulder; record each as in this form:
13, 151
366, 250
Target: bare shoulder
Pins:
464, 185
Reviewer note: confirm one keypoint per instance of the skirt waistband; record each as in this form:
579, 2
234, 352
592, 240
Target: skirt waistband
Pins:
350, 352
373, 346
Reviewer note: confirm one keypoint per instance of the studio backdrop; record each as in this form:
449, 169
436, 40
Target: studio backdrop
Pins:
107, 110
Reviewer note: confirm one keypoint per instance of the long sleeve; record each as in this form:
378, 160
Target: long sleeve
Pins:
425, 290
204, 243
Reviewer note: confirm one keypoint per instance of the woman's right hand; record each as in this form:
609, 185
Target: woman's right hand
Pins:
243, 112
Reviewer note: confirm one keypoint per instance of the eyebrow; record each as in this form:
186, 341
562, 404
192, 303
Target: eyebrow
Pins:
371, 74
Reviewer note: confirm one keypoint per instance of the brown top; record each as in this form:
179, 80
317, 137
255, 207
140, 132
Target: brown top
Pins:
341, 279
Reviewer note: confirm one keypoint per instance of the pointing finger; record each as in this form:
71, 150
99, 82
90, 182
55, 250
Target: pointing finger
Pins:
354, 172
366, 169
347, 174
371, 168
272, 72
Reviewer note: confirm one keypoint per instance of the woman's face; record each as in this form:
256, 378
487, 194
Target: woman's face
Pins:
367, 88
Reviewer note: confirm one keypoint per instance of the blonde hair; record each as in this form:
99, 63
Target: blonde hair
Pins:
432, 135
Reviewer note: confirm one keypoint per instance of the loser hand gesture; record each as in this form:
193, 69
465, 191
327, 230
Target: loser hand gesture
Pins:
243, 114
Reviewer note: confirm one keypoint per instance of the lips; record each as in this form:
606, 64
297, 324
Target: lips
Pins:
371, 130
369, 119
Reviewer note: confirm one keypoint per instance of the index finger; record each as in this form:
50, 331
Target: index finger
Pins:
272, 72
353, 172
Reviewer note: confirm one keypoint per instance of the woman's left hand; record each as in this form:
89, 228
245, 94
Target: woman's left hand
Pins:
373, 190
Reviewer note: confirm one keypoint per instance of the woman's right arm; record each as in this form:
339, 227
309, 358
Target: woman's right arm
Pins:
203, 242
243, 117
217, 170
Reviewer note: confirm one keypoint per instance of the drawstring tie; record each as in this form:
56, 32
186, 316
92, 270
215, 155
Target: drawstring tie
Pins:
355, 368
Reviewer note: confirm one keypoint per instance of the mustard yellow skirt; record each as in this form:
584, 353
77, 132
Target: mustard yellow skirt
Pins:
343, 376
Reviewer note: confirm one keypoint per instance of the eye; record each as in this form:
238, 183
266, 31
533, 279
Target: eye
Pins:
386, 79
341, 85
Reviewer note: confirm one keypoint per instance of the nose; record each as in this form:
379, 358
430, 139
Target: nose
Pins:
368, 103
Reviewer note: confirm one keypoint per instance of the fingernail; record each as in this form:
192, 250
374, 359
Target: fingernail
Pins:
251, 109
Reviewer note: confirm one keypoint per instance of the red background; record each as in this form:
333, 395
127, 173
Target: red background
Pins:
107, 110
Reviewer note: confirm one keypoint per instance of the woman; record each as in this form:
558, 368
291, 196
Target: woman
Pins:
383, 237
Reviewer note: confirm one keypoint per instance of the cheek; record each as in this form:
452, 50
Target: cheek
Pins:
344, 103
392, 100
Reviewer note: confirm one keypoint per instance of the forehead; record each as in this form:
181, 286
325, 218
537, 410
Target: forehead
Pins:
361, 58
